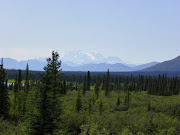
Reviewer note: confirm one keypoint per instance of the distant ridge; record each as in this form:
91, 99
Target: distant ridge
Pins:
14, 64
102, 67
112, 67
171, 65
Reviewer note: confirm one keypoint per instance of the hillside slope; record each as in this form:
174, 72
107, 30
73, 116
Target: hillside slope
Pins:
171, 65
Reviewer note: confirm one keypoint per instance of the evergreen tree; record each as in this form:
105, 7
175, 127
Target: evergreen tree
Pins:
100, 107
4, 105
27, 79
78, 103
93, 100
76, 87
15, 90
26, 90
103, 83
107, 84
64, 87
70, 86
49, 102
52, 70
118, 102
88, 81
20, 94
19, 79
42, 122
127, 99
148, 106
96, 89
89, 107
84, 86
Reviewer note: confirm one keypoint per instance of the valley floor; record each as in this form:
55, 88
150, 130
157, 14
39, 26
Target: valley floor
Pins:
145, 114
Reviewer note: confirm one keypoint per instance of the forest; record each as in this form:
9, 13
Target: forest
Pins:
54, 102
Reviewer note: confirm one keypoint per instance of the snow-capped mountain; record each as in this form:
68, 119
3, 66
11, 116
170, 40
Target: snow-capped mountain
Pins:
80, 58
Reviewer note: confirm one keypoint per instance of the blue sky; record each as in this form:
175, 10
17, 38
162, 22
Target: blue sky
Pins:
137, 31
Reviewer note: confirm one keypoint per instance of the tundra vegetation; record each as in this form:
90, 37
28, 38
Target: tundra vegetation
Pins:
53, 103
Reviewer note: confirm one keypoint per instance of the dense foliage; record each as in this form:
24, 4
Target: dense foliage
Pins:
4, 106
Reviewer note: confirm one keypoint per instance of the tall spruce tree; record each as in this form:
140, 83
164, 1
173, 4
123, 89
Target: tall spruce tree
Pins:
84, 85
93, 100
76, 87
148, 106
19, 79
78, 102
88, 81
27, 79
90, 107
107, 85
52, 70
96, 89
15, 90
4, 105
20, 94
118, 102
127, 99
42, 121
64, 87
49, 99
103, 82
100, 107
26, 89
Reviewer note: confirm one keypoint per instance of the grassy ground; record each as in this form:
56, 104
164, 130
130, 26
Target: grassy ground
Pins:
13, 81
162, 118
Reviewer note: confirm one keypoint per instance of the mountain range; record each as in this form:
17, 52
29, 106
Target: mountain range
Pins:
80, 61
38, 66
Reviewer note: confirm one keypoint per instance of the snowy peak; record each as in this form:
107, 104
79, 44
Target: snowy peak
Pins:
80, 57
